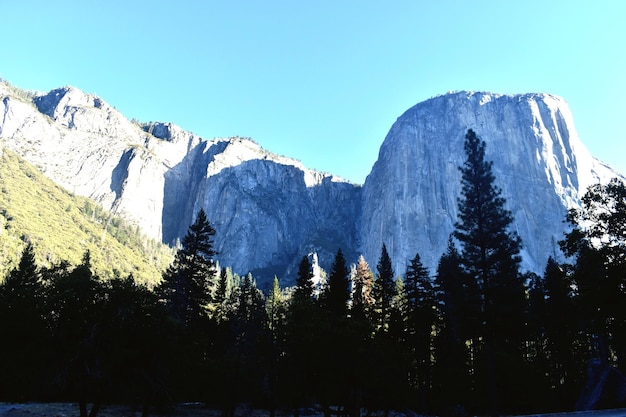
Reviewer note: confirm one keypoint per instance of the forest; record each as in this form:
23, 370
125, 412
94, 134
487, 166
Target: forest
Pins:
479, 336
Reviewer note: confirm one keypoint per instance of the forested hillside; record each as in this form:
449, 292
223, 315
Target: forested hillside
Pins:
62, 226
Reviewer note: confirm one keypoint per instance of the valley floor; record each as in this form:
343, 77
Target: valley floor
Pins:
71, 410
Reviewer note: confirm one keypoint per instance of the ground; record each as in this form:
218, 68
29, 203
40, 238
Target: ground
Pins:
71, 410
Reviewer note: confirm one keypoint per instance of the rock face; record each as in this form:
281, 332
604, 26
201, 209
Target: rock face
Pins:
270, 210
542, 167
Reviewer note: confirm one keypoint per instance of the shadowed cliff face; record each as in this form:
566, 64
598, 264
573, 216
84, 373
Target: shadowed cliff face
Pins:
269, 210
265, 214
410, 197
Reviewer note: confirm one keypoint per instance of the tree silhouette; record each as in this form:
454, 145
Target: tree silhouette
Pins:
337, 293
421, 316
24, 331
491, 256
383, 290
188, 281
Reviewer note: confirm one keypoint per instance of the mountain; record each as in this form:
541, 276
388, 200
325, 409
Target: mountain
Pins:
270, 210
542, 167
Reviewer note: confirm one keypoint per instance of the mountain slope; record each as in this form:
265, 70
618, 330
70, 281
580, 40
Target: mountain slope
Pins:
62, 227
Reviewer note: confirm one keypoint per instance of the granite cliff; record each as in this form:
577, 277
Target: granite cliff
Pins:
542, 167
270, 210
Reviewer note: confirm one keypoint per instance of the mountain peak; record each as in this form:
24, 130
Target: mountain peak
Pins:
538, 160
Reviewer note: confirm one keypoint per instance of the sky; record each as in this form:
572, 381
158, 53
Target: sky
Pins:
321, 81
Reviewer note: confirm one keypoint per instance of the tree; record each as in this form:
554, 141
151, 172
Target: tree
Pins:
597, 241
491, 256
221, 298
24, 331
363, 286
188, 281
303, 339
458, 302
304, 283
383, 290
560, 322
337, 293
76, 299
421, 315
276, 310
131, 343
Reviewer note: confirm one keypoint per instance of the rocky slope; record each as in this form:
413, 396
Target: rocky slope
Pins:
270, 210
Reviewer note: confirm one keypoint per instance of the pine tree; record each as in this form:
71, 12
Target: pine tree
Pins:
221, 298
76, 297
560, 324
23, 329
276, 309
303, 338
491, 256
383, 290
458, 301
275, 306
188, 281
362, 294
420, 324
304, 284
337, 293
399, 314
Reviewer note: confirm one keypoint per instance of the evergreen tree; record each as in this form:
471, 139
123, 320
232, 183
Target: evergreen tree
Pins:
337, 293
304, 284
383, 290
76, 303
188, 281
598, 243
399, 315
24, 331
491, 256
131, 344
276, 309
560, 323
335, 342
246, 355
362, 294
276, 306
303, 340
458, 301
421, 315
222, 295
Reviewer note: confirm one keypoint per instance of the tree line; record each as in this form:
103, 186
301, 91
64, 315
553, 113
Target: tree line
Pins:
478, 336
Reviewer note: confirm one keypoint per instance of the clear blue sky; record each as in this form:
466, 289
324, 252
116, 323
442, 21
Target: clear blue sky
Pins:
321, 81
